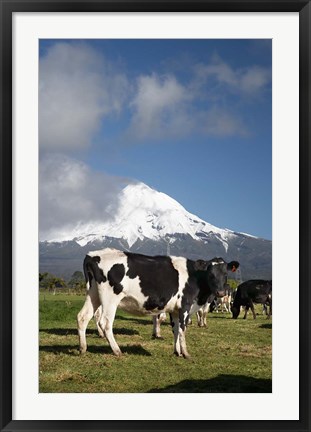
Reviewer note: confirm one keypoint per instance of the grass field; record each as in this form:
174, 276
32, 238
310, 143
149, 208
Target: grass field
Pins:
227, 356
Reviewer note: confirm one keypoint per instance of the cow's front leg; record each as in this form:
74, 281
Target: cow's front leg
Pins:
183, 319
174, 320
202, 315
157, 320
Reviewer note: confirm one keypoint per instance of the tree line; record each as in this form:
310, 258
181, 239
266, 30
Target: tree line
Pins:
76, 284
53, 284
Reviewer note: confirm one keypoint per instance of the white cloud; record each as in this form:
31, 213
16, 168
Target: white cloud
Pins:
159, 107
254, 79
77, 90
71, 193
80, 89
219, 122
166, 108
242, 81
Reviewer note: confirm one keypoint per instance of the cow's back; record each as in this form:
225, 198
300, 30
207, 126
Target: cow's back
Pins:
147, 283
256, 290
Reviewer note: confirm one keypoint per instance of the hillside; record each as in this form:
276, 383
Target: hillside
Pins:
152, 223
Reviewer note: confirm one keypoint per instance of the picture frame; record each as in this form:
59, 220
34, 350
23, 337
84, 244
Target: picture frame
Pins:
8, 8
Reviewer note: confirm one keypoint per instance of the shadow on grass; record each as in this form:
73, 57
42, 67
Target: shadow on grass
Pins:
94, 349
266, 326
134, 319
220, 384
94, 332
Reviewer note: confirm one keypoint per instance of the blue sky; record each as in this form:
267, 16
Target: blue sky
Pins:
190, 118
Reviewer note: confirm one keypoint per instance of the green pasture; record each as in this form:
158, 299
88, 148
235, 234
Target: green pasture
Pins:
227, 356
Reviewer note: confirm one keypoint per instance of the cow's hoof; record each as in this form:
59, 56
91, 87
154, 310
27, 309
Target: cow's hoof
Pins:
187, 356
157, 337
82, 351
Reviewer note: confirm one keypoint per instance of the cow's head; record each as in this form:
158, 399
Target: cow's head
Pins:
235, 311
216, 274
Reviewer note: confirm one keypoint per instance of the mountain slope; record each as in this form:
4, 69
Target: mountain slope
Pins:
146, 213
151, 222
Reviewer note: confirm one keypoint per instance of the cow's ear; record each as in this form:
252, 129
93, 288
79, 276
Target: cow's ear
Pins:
233, 266
200, 265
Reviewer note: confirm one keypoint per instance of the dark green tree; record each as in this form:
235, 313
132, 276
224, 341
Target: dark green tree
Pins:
50, 282
77, 282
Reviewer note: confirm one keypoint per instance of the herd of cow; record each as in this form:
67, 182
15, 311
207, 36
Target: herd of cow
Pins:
156, 285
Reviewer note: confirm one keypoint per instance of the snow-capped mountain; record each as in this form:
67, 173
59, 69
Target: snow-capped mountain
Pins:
145, 213
151, 222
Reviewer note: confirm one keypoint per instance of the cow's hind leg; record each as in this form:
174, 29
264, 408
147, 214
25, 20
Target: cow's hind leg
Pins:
178, 323
253, 309
270, 308
106, 323
97, 316
83, 318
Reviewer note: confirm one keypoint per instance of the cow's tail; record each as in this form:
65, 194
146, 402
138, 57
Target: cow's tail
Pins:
88, 271
89, 268
92, 271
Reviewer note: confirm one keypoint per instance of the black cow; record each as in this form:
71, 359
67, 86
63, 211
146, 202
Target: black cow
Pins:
250, 292
143, 284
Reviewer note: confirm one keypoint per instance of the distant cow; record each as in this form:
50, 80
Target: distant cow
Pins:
224, 300
143, 284
222, 303
250, 292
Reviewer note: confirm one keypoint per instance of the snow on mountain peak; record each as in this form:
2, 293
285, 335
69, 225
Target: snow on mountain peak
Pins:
142, 213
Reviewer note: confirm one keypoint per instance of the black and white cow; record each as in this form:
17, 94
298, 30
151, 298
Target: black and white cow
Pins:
143, 284
250, 292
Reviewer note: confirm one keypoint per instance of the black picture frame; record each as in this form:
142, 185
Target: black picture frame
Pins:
7, 9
